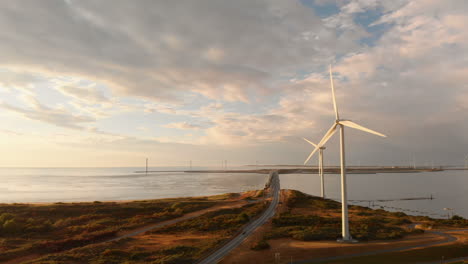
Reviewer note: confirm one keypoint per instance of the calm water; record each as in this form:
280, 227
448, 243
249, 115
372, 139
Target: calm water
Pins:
449, 188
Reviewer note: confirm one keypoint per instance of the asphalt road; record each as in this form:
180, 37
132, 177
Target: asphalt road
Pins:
216, 256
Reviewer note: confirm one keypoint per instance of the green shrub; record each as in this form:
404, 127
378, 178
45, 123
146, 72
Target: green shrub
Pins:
115, 252
11, 227
287, 219
260, 245
399, 221
363, 213
179, 250
313, 234
457, 218
278, 232
174, 259
4, 217
243, 218
399, 214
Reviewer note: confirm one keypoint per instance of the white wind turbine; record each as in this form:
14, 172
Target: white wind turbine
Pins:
322, 179
341, 123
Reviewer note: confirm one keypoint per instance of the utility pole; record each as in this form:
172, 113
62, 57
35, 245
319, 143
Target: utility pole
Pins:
190, 164
449, 210
146, 166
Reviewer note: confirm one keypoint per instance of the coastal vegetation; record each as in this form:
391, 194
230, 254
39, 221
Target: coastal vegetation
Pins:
72, 232
193, 239
311, 218
49, 228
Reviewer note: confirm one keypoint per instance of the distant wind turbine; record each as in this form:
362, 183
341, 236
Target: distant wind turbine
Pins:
340, 124
322, 179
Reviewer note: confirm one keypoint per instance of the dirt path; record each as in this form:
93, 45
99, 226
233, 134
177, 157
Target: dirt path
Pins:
177, 220
314, 252
447, 239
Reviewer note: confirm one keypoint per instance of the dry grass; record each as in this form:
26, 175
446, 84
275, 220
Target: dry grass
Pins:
289, 247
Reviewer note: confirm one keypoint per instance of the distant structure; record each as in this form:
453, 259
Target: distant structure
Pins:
340, 124
146, 171
320, 166
448, 212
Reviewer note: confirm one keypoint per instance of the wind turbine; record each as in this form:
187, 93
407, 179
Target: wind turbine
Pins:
322, 179
340, 124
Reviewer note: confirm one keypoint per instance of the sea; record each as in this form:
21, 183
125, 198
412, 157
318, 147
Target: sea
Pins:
448, 189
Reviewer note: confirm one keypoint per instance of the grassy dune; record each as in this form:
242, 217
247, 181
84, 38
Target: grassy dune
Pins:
310, 218
180, 243
71, 232
42, 229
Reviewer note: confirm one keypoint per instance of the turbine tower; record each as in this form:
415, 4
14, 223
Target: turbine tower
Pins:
322, 179
340, 124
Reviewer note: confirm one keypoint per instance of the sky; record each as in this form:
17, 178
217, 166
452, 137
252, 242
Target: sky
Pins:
109, 83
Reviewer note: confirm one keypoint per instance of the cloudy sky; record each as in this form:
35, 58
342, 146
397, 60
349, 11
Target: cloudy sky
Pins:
108, 83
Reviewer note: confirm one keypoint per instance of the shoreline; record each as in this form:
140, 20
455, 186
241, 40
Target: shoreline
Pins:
160, 226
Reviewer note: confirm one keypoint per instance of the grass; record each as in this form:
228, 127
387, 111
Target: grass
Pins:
213, 228
224, 220
128, 251
310, 218
42, 229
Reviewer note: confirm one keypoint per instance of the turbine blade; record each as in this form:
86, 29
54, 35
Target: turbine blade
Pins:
333, 95
313, 144
359, 127
327, 135
311, 154
324, 140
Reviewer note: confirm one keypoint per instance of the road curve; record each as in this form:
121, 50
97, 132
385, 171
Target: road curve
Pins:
448, 238
216, 256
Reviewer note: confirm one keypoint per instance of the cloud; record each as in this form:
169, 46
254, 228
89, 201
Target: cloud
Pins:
20, 80
183, 125
85, 94
152, 55
55, 116
10, 132
247, 73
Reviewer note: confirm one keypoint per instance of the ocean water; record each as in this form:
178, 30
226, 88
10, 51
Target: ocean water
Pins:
448, 188
106, 184
20, 185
